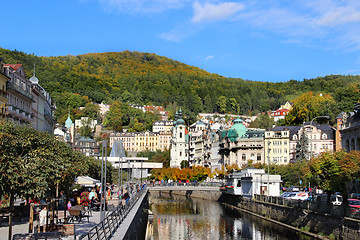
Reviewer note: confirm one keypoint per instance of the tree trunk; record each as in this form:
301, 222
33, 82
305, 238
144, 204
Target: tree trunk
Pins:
11, 214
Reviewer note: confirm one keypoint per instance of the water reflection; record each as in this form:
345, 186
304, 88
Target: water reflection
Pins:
177, 217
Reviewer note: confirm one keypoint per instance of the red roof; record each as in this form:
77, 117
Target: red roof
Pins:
281, 112
13, 66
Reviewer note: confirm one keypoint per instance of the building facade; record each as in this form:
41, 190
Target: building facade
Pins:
179, 144
19, 94
3, 81
277, 145
320, 138
134, 142
239, 146
350, 130
86, 146
162, 126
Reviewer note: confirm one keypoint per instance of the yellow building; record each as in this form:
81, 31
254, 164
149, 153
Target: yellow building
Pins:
277, 145
134, 142
3, 80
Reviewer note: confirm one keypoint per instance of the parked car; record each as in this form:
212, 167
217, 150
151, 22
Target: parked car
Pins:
354, 196
300, 196
336, 200
285, 194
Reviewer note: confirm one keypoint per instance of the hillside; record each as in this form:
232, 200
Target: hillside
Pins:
146, 78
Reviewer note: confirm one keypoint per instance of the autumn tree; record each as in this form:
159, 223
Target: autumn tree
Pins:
333, 171
308, 106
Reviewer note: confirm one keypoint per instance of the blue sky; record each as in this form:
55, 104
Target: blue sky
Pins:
260, 40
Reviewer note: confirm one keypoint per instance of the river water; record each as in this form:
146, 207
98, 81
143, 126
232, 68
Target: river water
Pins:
177, 217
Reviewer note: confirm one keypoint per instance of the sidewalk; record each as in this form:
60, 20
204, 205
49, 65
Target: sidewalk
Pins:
80, 228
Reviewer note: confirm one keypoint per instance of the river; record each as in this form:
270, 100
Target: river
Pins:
178, 217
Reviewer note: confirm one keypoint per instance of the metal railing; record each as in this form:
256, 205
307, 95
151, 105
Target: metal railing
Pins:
315, 206
106, 228
185, 184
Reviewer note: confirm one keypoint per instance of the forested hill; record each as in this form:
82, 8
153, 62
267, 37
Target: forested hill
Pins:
146, 78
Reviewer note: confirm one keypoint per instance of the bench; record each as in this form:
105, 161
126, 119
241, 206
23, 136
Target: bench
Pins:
77, 215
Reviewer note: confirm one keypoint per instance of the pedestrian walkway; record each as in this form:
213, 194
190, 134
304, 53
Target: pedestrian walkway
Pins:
80, 228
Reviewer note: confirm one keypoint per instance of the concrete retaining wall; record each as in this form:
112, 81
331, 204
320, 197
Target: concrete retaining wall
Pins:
134, 225
306, 220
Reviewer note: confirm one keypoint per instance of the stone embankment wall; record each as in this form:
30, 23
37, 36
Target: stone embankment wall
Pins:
308, 222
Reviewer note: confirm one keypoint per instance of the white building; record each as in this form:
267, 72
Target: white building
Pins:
162, 126
179, 142
251, 181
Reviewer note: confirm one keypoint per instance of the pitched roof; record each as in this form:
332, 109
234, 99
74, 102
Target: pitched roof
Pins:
13, 66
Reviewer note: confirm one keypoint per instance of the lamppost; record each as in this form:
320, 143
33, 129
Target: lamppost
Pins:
311, 122
102, 198
268, 190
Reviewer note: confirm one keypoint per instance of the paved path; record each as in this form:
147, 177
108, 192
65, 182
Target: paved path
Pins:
83, 227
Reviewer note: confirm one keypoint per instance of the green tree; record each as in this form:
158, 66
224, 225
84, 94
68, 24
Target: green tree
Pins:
91, 111
34, 163
333, 171
221, 104
115, 116
264, 121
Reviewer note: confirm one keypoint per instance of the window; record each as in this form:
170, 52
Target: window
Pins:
258, 157
243, 157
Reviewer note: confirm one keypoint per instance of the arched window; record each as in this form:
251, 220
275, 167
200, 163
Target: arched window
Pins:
243, 157
258, 157
352, 146
252, 156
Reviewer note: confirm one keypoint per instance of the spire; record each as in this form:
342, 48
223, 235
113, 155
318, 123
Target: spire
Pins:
34, 79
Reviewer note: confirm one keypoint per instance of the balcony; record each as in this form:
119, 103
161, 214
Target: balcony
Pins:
18, 89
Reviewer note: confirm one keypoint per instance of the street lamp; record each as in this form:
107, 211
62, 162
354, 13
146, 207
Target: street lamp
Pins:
102, 198
268, 190
311, 151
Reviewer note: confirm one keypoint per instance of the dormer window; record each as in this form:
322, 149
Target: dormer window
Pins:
324, 136
294, 137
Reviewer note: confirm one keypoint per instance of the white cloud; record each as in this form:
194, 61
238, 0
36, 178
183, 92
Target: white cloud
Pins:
331, 23
172, 37
212, 12
339, 16
209, 57
142, 6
